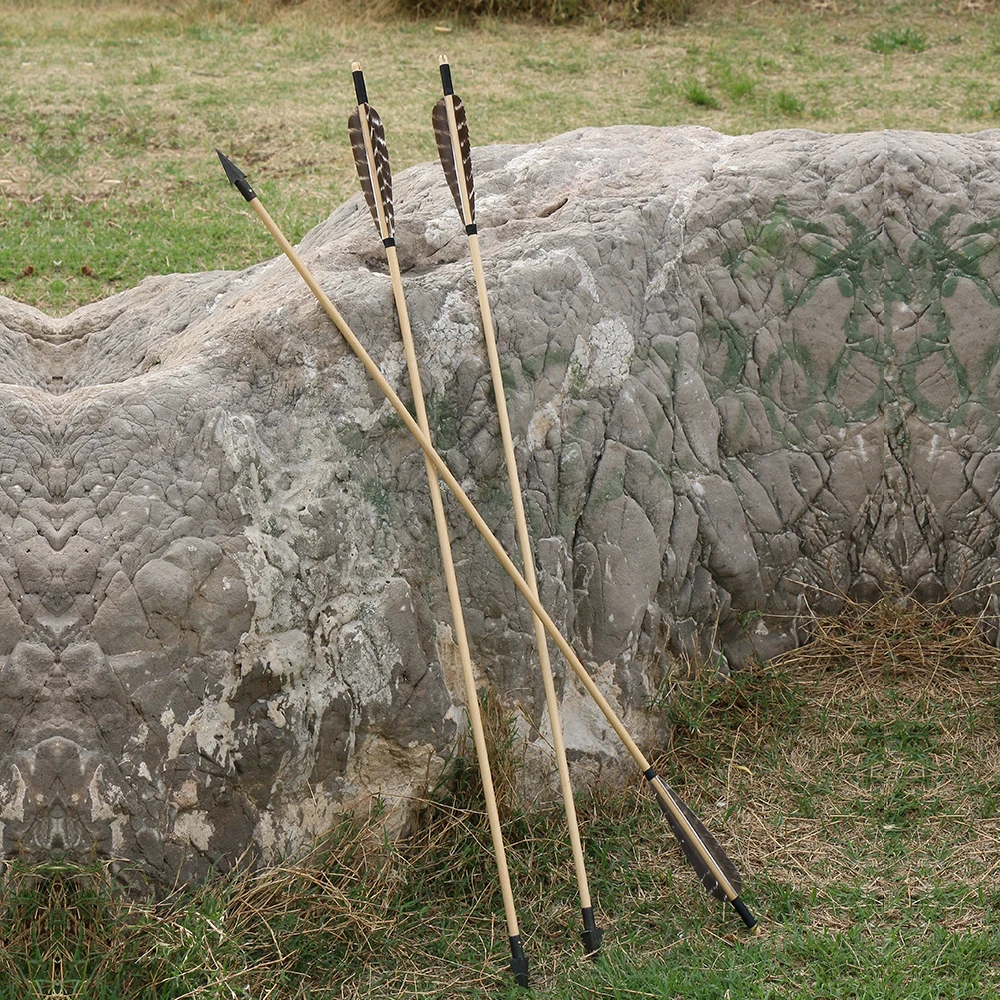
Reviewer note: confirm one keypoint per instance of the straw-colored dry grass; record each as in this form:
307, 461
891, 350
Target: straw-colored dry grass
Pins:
70, 931
867, 757
898, 639
853, 781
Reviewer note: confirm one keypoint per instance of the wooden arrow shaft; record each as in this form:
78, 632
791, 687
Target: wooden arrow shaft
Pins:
456, 148
528, 561
524, 536
444, 540
491, 540
461, 638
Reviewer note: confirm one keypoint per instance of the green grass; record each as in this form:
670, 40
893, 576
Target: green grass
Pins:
898, 39
740, 86
789, 104
852, 781
696, 94
109, 113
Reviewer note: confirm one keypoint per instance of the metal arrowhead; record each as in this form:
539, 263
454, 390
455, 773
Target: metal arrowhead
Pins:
236, 177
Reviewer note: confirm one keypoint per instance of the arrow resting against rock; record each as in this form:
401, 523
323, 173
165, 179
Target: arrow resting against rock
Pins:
711, 863
371, 156
451, 130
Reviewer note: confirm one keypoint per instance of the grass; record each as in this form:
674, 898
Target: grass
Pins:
108, 121
602, 12
789, 104
902, 39
852, 781
696, 94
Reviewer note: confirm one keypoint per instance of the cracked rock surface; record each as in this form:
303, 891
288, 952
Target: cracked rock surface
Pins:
743, 372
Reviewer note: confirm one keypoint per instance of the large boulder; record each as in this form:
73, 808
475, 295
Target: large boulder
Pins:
745, 374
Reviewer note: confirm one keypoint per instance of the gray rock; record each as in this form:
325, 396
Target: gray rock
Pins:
743, 372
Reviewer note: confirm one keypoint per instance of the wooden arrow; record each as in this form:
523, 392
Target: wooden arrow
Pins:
711, 863
371, 157
451, 131
706, 856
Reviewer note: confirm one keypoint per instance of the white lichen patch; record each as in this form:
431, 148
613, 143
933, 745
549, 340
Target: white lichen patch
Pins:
612, 349
194, 827
100, 808
451, 335
394, 775
392, 364
139, 737
685, 198
542, 421
450, 659
585, 729
438, 232
264, 834
520, 165
602, 360
212, 726
364, 648
587, 280
275, 714
118, 832
175, 737
187, 795
286, 653
13, 799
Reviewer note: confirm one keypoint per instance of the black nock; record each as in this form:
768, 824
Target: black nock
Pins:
359, 85
446, 79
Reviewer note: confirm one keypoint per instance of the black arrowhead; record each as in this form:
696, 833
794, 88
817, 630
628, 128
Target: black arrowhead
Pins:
591, 933
237, 178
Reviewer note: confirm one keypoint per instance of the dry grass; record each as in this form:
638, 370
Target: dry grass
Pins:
898, 639
853, 781
882, 777
74, 931
602, 13
109, 113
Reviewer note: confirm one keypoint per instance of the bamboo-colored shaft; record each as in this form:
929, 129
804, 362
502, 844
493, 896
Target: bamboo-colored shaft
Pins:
491, 540
527, 559
524, 537
461, 637
444, 540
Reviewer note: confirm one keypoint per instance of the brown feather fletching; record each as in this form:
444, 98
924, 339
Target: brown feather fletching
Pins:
439, 118
378, 171
709, 844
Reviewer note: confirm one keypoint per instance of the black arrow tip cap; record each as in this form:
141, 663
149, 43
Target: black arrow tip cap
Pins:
359, 83
741, 908
518, 963
236, 177
446, 83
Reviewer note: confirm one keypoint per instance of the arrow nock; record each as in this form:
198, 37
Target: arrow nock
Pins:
359, 83
446, 83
